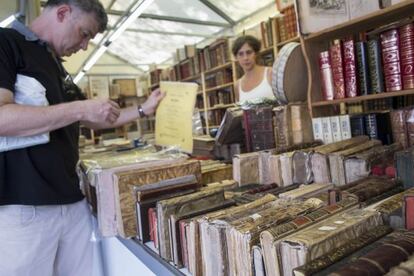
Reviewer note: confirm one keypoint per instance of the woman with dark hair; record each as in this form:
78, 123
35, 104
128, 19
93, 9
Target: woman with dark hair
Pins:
257, 79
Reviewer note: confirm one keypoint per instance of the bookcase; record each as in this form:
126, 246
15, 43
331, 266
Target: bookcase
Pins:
318, 42
215, 69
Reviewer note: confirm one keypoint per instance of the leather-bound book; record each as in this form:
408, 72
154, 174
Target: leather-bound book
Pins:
375, 67
391, 238
326, 74
381, 259
359, 165
341, 252
403, 269
337, 63
319, 159
362, 66
409, 119
399, 127
258, 264
301, 124
408, 211
230, 130
283, 126
350, 68
405, 167
126, 183
357, 125
182, 204
270, 239
370, 187
391, 60
244, 232
323, 237
337, 161
407, 55
213, 246
258, 123
246, 168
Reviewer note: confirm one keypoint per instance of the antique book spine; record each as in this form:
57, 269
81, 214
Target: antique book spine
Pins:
337, 254
357, 125
327, 82
327, 131
371, 126
407, 55
362, 62
336, 128
409, 118
322, 237
375, 67
301, 124
350, 69
380, 260
408, 211
317, 129
337, 63
399, 127
391, 60
405, 167
345, 127
270, 237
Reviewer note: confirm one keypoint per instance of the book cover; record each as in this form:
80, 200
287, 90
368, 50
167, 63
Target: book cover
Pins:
337, 63
363, 71
391, 60
345, 127
317, 129
327, 130
336, 128
327, 81
350, 69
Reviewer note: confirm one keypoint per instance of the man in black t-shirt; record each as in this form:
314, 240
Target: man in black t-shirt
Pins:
45, 224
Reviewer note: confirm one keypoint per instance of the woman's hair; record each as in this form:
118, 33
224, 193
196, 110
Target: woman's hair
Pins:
250, 40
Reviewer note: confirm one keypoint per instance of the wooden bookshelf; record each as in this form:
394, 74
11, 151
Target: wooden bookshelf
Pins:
220, 106
315, 43
218, 68
219, 87
283, 43
378, 96
192, 78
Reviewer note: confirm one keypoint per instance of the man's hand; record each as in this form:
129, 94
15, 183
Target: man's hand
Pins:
152, 102
98, 111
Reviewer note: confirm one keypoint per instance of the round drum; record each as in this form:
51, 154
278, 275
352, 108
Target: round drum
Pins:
289, 75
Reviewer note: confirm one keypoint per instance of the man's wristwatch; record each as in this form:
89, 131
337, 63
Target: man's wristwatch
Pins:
141, 112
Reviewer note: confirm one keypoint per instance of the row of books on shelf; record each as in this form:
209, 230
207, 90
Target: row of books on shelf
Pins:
223, 96
389, 127
383, 63
219, 78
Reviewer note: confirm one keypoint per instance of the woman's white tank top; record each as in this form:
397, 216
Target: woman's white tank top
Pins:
263, 90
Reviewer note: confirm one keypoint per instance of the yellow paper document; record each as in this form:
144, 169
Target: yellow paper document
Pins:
174, 117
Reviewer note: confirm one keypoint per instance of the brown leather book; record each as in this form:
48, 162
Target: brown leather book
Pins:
320, 161
126, 182
337, 161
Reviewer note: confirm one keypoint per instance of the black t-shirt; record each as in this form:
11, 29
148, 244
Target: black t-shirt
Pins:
42, 174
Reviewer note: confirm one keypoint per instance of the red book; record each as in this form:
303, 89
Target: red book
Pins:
406, 34
409, 211
335, 53
327, 83
391, 60
351, 88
